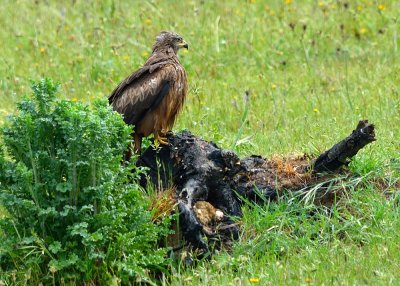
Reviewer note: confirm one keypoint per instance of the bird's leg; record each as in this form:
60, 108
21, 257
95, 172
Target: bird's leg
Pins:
138, 142
128, 152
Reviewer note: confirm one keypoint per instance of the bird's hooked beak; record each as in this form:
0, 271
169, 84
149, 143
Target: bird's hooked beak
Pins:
183, 44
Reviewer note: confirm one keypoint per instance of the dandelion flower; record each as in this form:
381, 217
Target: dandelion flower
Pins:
288, 2
273, 86
362, 31
308, 280
254, 280
381, 7
145, 54
42, 50
125, 58
147, 22
316, 110
74, 99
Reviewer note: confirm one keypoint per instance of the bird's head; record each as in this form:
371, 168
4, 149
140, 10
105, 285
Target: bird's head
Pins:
168, 40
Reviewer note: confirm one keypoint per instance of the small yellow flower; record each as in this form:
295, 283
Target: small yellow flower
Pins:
288, 2
74, 99
252, 1
145, 54
381, 7
308, 280
273, 86
147, 22
125, 58
362, 31
254, 280
321, 4
316, 110
66, 28
42, 50
359, 8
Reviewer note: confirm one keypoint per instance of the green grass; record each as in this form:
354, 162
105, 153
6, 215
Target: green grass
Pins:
283, 245
313, 69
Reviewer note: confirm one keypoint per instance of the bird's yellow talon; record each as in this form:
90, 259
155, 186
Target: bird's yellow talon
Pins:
160, 141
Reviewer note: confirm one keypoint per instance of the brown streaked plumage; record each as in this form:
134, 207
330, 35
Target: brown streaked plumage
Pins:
151, 97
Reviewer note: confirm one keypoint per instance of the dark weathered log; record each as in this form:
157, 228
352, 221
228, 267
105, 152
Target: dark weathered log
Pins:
211, 182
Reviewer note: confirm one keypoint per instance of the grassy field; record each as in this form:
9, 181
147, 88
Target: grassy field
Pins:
312, 69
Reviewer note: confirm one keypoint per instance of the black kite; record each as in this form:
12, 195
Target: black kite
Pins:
151, 97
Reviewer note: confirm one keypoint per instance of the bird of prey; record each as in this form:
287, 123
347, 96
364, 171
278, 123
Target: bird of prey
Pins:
152, 96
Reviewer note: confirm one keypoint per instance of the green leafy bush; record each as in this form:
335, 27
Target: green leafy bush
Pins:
75, 213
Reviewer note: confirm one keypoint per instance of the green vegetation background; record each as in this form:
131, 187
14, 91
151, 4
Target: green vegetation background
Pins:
312, 69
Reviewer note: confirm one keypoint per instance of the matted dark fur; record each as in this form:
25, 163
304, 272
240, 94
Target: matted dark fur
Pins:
200, 171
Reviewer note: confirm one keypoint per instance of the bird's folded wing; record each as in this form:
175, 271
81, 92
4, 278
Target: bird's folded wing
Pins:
142, 91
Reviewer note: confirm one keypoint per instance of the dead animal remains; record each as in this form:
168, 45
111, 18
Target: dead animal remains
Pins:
210, 183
